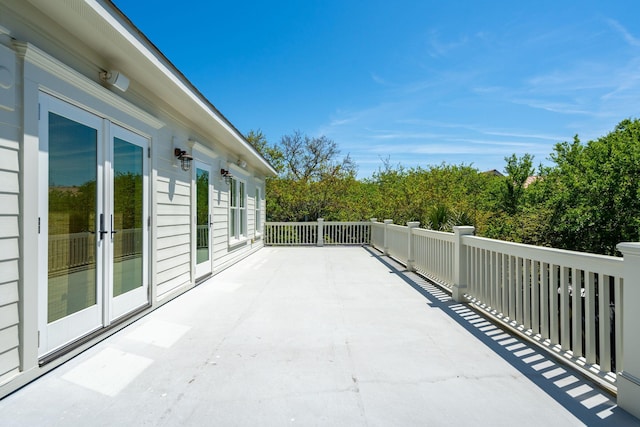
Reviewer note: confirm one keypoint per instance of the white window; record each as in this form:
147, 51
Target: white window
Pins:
237, 209
258, 214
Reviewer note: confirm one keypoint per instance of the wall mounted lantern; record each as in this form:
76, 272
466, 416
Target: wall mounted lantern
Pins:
241, 163
184, 157
226, 175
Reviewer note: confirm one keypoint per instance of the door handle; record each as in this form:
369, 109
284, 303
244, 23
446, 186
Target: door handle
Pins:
112, 230
102, 230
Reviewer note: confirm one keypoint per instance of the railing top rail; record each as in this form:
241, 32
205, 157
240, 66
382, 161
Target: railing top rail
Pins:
605, 264
348, 222
316, 222
440, 235
397, 226
293, 223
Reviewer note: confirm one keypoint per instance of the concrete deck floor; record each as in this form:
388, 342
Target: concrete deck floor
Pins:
312, 336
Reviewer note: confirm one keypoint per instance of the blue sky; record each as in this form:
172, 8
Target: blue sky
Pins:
415, 82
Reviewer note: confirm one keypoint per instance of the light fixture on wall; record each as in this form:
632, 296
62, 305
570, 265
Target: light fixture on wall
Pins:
226, 175
241, 163
184, 157
116, 79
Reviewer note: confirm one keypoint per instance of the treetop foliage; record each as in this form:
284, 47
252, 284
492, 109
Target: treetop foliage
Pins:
587, 200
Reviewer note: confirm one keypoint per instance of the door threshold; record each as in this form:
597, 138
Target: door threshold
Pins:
48, 358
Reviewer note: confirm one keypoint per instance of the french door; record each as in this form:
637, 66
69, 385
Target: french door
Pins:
204, 254
93, 223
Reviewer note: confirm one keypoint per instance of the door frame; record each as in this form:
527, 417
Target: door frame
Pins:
71, 328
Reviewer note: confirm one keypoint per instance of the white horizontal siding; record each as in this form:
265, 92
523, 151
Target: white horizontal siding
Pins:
220, 227
8, 159
10, 336
9, 204
10, 358
170, 252
8, 315
173, 230
8, 226
8, 271
9, 180
9, 248
175, 276
176, 261
9, 255
251, 214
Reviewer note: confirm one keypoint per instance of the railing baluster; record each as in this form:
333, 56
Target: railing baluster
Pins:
526, 291
535, 297
519, 311
554, 311
576, 309
545, 309
590, 318
565, 318
505, 285
498, 284
618, 289
605, 322
512, 288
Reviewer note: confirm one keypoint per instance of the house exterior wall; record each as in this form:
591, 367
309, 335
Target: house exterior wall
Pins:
9, 217
34, 65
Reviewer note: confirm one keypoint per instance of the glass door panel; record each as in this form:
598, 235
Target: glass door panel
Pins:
72, 273
203, 220
127, 270
71, 248
128, 216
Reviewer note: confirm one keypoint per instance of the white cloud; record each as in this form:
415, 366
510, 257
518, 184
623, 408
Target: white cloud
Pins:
626, 35
438, 48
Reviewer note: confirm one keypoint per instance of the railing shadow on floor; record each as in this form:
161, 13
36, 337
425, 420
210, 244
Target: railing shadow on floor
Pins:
583, 398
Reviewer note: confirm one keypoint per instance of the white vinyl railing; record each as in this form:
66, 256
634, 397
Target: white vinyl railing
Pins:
569, 302
434, 255
291, 233
397, 242
317, 233
202, 236
78, 250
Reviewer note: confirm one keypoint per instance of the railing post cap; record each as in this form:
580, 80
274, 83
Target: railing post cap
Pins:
464, 229
413, 224
388, 221
629, 248
320, 219
374, 219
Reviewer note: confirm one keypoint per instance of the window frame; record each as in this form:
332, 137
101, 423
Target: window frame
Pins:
237, 210
257, 213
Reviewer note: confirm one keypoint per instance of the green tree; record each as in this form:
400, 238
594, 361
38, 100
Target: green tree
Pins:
517, 171
270, 152
313, 180
593, 192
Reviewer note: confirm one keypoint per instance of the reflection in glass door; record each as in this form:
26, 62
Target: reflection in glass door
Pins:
203, 220
72, 224
127, 231
71, 218
93, 238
